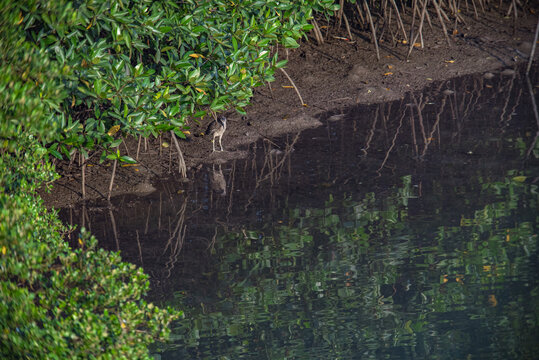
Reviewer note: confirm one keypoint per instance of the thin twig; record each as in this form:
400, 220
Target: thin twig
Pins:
373, 30
138, 146
112, 178
532, 53
317, 33
294, 85
84, 181
442, 22
182, 169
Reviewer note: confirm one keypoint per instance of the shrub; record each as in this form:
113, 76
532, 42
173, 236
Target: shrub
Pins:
55, 302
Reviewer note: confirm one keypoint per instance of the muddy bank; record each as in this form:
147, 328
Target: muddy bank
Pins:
330, 77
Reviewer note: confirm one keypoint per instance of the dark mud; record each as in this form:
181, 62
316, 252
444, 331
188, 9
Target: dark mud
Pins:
330, 77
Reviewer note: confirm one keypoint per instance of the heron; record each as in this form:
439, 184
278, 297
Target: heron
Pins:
217, 129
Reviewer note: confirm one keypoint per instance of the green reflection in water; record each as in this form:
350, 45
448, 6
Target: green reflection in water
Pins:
377, 277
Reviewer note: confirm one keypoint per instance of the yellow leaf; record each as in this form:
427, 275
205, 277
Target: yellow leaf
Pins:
200, 90
196, 56
164, 113
519, 178
113, 130
165, 144
407, 327
492, 300
73, 102
81, 242
86, 82
459, 278
126, 165
89, 25
186, 132
444, 280
390, 66
404, 42
287, 87
417, 44
20, 18
122, 325
450, 61
388, 73
486, 268
4, 250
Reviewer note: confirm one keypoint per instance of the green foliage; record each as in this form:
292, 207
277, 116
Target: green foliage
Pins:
55, 302
68, 304
150, 66
30, 82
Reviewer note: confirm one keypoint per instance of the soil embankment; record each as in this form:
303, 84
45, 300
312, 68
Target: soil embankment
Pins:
331, 76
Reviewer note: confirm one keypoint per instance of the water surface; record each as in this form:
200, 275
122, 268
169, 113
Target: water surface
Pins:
402, 230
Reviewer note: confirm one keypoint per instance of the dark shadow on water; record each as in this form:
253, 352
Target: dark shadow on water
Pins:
399, 230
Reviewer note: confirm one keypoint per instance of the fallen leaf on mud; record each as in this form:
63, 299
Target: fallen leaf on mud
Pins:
417, 44
287, 87
388, 73
186, 132
429, 79
390, 66
165, 144
126, 165
450, 61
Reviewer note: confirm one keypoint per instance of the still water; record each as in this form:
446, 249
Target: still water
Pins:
403, 230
